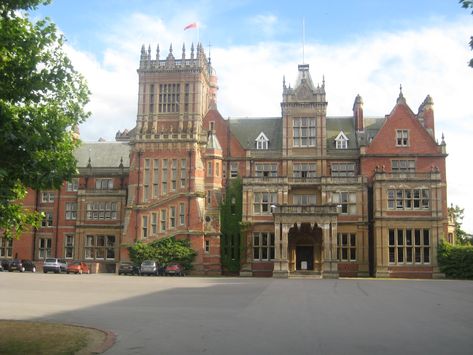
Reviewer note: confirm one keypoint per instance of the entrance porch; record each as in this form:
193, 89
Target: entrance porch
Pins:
305, 240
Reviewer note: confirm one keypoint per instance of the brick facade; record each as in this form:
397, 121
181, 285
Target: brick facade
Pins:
333, 196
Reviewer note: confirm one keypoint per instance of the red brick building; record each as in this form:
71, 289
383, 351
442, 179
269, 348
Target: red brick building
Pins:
333, 196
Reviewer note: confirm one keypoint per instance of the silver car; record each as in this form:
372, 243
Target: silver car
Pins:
149, 267
55, 265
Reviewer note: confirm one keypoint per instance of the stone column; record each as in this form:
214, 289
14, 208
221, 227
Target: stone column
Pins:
330, 262
281, 263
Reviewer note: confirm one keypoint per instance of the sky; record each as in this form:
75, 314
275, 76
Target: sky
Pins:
366, 47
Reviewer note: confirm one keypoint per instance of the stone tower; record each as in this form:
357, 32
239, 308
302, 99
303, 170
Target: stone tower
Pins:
166, 194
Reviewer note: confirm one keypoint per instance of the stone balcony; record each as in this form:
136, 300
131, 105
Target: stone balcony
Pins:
298, 210
407, 176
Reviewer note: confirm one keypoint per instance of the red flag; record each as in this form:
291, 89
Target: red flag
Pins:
191, 25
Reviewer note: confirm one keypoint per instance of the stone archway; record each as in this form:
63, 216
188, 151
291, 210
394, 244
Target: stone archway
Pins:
305, 248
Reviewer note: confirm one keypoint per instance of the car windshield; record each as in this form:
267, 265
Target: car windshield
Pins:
76, 263
50, 261
148, 262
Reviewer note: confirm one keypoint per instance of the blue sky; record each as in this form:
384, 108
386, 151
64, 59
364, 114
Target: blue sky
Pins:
366, 47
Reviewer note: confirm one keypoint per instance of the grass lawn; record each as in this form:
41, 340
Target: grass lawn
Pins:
24, 337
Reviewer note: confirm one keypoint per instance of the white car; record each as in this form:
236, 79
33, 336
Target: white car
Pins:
55, 265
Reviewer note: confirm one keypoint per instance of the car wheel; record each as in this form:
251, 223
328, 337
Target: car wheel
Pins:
80, 272
56, 272
67, 272
88, 272
22, 269
33, 269
45, 271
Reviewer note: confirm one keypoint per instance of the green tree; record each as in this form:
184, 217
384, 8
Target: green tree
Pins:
42, 98
456, 214
468, 4
164, 251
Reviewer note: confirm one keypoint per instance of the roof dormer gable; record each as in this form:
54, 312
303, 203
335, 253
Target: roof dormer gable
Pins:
262, 141
341, 141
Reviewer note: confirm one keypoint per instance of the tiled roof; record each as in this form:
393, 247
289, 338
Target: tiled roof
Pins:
103, 154
246, 130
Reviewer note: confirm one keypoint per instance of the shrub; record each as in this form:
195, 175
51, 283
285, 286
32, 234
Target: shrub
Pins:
456, 261
164, 251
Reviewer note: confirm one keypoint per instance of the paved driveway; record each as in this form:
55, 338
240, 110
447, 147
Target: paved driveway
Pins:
160, 315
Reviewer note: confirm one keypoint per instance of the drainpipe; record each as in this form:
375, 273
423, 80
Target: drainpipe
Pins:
57, 220
35, 230
140, 152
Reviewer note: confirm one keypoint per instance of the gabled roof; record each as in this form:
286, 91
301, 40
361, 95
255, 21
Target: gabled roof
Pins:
246, 130
103, 154
262, 137
342, 137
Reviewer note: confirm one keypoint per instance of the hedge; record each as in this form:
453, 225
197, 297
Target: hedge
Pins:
456, 261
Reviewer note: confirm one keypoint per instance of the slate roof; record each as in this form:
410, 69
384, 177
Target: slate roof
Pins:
103, 154
336, 124
246, 130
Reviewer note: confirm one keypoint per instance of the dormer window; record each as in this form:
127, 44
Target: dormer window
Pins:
341, 142
262, 142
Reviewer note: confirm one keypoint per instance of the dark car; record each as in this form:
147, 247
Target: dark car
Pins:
22, 265
5, 264
174, 269
128, 268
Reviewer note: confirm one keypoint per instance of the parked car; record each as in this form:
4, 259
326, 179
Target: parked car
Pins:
55, 265
174, 269
5, 264
127, 267
78, 267
149, 267
22, 265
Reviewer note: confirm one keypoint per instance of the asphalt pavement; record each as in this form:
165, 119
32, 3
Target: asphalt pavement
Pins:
192, 315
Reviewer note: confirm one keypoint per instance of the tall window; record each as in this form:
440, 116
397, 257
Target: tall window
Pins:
174, 175
403, 166
101, 247
263, 201
164, 178
304, 200
207, 246
169, 95
144, 226
172, 217
69, 246
155, 178
151, 98
44, 248
47, 197
72, 185
209, 168
266, 169
408, 199
346, 247
234, 169
346, 202
183, 172
146, 178
186, 97
104, 184
154, 223
163, 220
6, 248
102, 210
47, 220
402, 137
303, 132
71, 210
182, 214
407, 246
303, 170
263, 246
342, 169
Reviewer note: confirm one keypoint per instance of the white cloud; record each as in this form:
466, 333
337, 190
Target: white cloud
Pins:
266, 23
427, 61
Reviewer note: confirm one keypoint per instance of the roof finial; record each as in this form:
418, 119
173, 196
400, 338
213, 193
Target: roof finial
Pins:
170, 48
303, 40
400, 89
192, 50
157, 52
183, 51
284, 81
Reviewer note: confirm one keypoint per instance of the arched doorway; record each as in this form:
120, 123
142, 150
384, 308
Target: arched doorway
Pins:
305, 248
